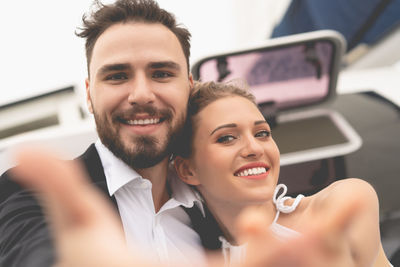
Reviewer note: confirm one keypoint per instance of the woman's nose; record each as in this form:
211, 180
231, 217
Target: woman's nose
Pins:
251, 148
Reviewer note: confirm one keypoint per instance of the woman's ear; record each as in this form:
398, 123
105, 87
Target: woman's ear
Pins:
184, 171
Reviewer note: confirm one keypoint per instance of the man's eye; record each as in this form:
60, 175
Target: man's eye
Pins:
263, 133
117, 76
226, 139
161, 74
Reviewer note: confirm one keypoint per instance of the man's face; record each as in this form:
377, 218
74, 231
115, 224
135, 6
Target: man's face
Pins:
138, 91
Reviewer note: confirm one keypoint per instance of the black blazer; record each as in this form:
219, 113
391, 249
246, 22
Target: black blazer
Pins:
24, 235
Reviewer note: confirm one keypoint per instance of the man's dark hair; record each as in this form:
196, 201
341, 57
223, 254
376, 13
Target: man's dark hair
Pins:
123, 11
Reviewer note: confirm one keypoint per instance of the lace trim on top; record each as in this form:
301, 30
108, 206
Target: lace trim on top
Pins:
280, 201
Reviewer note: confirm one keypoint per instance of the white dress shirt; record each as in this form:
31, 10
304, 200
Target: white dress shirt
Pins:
165, 235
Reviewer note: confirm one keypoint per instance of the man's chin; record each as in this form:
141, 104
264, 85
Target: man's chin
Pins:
132, 140
142, 143
145, 152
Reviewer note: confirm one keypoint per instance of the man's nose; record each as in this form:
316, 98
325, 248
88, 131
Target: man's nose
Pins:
141, 91
251, 147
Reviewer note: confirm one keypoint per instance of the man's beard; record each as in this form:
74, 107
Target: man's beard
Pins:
146, 151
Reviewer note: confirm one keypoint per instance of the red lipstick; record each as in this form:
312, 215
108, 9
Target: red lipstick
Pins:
252, 166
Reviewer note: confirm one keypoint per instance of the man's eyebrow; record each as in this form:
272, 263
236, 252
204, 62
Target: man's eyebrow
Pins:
230, 125
164, 64
113, 67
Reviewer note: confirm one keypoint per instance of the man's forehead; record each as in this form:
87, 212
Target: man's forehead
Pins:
139, 41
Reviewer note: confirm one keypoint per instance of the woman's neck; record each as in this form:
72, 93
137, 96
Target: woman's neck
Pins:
226, 214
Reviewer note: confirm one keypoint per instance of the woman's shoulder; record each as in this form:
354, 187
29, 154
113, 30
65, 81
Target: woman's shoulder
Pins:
334, 197
351, 183
342, 194
343, 191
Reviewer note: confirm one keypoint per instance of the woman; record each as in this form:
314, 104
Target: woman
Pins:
229, 155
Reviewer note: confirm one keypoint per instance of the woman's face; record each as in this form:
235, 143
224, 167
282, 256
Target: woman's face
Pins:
234, 156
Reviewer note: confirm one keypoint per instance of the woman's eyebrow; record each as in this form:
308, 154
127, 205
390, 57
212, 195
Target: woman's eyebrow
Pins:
260, 122
229, 125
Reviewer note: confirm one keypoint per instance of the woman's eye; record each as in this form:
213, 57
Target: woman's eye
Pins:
225, 139
263, 133
117, 77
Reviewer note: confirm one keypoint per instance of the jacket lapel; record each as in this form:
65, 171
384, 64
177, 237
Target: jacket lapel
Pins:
92, 163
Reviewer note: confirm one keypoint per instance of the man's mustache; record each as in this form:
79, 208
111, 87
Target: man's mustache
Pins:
164, 114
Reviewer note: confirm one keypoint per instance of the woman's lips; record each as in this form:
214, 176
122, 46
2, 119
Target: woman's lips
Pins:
255, 170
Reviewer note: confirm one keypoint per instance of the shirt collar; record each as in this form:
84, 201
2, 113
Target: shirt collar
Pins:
118, 174
184, 194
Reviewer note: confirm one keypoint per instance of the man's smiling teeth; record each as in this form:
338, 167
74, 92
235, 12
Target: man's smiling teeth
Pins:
143, 122
252, 171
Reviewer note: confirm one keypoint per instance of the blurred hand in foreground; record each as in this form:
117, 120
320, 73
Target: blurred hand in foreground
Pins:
87, 232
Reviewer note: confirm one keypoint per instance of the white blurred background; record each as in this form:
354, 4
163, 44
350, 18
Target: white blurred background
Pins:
40, 53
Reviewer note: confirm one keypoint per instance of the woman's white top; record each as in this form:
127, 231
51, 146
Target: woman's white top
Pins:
234, 254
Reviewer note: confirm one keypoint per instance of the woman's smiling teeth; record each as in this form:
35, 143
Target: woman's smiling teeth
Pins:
143, 121
252, 171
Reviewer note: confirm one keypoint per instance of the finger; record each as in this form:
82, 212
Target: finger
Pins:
262, 247
252, 229
265, 249
329, 231
215, 259
63, 185
340, 218
253, 224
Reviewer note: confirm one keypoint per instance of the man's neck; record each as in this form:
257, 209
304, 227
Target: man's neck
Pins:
157, 175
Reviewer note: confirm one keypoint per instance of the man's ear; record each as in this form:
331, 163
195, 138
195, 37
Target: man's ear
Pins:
184, 171
191, 82
88, 97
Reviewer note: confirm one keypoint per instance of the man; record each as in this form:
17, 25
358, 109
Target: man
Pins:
137, 89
